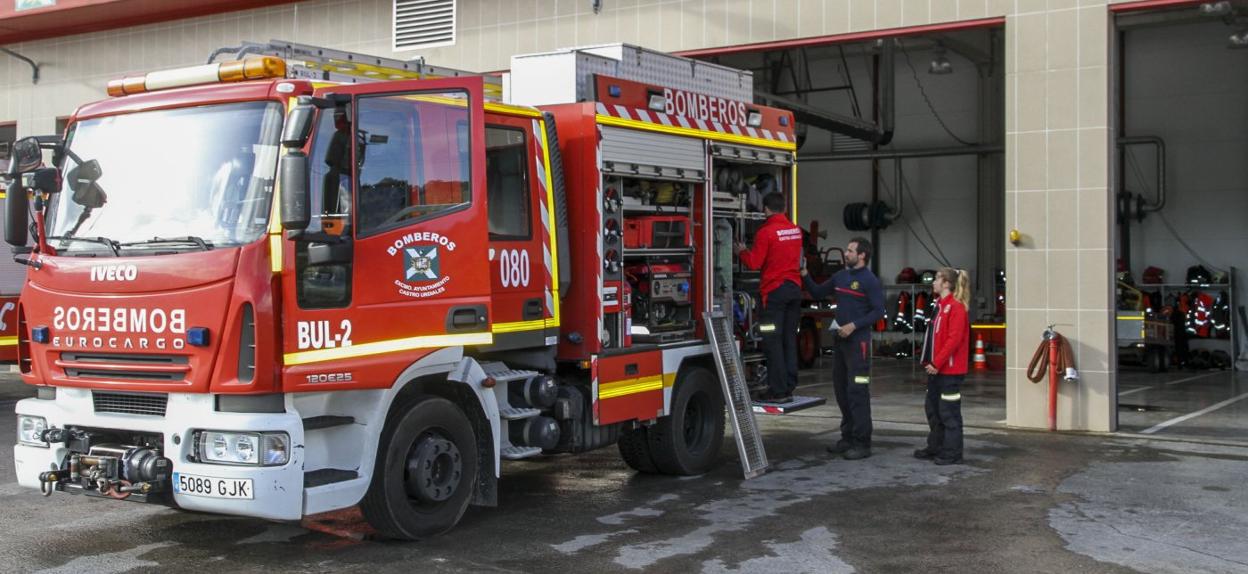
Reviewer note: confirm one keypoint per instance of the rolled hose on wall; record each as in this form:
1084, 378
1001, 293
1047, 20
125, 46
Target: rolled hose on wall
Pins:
1039, 367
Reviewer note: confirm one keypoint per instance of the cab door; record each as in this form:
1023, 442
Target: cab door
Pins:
519, 229
402, 234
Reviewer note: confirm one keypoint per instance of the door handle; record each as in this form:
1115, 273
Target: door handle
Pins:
532, 309
465, 318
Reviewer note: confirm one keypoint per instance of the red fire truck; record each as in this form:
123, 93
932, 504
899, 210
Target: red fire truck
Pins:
304, 280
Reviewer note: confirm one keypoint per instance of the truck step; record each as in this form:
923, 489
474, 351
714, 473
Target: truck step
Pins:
797, 403
519, 452
501, 374
326, 421
513, 413
326, 476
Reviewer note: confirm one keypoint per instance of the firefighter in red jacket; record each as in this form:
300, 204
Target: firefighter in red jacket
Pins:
945, 350
778, 252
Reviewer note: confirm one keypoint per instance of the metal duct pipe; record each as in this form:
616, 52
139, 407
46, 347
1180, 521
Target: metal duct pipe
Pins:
880, 133
897, 183
1159, 146
903, 154
888, 93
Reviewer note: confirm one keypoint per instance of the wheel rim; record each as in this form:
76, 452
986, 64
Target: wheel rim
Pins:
697, 423
435, 469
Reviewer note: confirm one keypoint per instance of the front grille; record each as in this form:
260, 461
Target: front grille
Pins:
125, 366
152, 404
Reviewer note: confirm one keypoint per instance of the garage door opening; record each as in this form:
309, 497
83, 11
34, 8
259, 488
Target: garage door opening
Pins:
901, 142
1182, 189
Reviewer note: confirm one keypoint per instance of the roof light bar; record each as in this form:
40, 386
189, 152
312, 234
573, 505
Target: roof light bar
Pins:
254, 68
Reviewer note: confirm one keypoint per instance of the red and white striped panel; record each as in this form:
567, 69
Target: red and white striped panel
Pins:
637, 114
544, 212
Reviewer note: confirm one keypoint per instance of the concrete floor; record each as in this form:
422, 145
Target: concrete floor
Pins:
1024, 502
1164, 404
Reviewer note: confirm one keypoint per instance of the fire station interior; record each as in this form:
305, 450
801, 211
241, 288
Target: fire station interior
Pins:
901, 143
1182, 200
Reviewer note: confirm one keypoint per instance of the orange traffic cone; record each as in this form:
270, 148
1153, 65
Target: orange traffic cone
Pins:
981, 361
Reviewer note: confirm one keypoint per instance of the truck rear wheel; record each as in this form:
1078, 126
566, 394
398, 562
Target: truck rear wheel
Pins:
635, 450
425, 472
688, 441
807, 344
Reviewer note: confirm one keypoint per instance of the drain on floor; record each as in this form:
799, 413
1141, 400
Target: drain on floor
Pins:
1140, 408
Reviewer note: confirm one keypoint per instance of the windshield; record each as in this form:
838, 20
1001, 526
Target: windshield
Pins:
188, 178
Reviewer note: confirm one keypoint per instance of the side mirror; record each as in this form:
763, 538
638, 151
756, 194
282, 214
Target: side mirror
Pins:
296, 191
298, 126
47, 180
16, 213
24, 156
82, 181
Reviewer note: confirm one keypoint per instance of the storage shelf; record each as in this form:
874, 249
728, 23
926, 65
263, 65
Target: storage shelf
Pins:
739, 215
657, 252
655, 209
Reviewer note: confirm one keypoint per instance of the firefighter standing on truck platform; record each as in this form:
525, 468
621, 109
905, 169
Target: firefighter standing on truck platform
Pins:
859, 304
778, 252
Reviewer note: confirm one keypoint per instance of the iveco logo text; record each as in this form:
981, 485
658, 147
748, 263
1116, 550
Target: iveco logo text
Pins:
143, 325
114, 272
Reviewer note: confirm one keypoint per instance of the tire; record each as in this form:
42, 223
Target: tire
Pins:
399, 504
634, 448
807, 344
687, 442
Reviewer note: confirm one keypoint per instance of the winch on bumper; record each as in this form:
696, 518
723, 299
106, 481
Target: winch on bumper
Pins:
194, 456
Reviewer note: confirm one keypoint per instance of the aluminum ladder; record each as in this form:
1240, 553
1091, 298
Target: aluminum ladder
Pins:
737, 394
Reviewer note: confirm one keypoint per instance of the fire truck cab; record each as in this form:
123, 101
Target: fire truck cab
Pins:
305, 279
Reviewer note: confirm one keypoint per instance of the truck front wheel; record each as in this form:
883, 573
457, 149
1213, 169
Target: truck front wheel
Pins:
688, 441
426, 468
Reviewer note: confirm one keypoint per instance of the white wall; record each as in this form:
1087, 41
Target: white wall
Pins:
944, 188
1185, 86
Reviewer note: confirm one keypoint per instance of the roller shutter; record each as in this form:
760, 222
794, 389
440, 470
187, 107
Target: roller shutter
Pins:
648, 154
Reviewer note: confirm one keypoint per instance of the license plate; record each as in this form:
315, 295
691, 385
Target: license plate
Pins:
237, 488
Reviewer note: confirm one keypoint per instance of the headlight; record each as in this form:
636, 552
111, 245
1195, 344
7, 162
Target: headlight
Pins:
259, 449
30, 430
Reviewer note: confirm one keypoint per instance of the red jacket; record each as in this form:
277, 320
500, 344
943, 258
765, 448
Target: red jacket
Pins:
951, 337
778, 251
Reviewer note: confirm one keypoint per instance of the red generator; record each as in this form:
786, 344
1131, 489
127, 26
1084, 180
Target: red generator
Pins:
657, 232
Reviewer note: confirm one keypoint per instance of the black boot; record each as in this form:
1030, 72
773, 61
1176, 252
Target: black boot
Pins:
924, 454
839, 448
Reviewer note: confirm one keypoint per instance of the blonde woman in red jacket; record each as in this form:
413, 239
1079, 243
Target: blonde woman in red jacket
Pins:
945, 350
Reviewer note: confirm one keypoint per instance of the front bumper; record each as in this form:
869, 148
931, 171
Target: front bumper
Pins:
277, 490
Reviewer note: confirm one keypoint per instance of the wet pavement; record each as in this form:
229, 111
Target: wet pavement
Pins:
1023, 502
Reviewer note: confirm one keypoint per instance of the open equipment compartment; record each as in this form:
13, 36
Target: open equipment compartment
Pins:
741, 177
